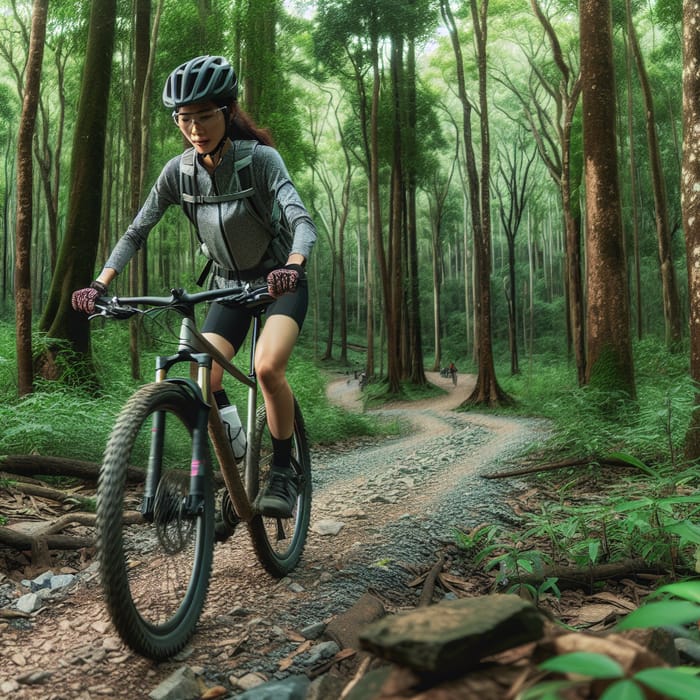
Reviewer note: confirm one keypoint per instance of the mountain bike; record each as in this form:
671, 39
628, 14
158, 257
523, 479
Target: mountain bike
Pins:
155, 545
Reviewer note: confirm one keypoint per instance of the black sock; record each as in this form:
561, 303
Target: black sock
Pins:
221, 398
282, 452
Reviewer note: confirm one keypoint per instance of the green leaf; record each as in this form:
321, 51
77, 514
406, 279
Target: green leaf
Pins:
636, 504
690, 590
526, 564
670, 682
549, 690
634, 462
585, 664
623, 690
668, 612
672, 500
687, 531
593, 550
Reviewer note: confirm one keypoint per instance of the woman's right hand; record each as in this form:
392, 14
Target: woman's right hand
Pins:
84, 299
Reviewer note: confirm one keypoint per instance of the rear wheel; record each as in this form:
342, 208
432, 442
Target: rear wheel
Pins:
279, 542
155, 565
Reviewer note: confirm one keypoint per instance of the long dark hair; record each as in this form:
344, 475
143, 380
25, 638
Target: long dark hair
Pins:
242, 127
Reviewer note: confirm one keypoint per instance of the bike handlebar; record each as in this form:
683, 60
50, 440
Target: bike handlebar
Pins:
180, 300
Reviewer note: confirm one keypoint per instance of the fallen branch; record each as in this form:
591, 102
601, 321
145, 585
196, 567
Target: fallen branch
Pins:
32, 465
39, 465
47, 534
64, 521
31, 489
22, 541
583, 577
426, 595
562, 464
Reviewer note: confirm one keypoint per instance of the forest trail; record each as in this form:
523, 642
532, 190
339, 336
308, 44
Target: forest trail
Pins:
395, 500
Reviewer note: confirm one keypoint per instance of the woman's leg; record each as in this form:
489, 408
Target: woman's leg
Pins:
227, 350
271, 358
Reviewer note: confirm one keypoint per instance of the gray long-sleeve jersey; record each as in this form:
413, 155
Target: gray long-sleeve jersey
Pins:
231, 237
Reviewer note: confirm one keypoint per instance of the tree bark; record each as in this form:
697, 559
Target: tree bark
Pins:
75, 267
690, 202
609, 349
39, 465
487, 390
669, 282
566, 94
24, 214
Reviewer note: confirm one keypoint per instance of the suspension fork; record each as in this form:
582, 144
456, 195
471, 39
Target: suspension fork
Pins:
195, 500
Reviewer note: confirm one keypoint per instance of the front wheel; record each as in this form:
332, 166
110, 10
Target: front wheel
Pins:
279, 542
155, 558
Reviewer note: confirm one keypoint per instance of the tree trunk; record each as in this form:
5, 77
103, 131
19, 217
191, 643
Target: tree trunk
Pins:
417, 369
634, 196
487, 390
376, 224
142, 37
397, 260
566, 94
24, 214
690, 202
669, 282
610, 365
76, 261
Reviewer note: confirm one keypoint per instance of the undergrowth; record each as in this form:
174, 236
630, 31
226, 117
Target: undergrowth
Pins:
642, 509
64, 419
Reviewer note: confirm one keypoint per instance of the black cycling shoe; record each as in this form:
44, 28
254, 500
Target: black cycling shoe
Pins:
225, 526
279, 496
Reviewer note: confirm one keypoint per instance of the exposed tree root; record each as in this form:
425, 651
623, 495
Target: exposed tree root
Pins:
39, 465
561, 464
569, 577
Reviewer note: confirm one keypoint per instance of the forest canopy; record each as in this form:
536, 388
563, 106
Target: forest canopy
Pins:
447, 150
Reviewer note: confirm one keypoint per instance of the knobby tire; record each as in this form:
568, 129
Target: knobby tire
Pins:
155, 574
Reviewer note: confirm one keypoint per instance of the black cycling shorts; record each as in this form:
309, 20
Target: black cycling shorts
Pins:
233, 323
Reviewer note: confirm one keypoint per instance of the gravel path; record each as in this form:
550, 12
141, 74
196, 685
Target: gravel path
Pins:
382, 510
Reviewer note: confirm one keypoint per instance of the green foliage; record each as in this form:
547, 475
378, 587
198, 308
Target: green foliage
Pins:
679, 682
505, 552
590, 421
63, 419
644, 507
669, 610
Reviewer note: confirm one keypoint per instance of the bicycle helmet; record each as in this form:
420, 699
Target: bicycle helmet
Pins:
199, 79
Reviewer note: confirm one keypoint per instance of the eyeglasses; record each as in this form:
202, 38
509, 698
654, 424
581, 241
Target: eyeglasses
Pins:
188, 120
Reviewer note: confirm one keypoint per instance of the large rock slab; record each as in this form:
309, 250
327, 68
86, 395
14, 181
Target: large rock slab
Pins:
454, 635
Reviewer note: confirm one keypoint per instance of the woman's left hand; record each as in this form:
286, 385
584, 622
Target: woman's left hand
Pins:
283, 280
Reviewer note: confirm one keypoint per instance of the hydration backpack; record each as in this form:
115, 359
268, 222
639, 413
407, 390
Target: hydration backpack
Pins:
252, 198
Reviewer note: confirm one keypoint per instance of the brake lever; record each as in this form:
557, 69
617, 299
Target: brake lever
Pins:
111, 309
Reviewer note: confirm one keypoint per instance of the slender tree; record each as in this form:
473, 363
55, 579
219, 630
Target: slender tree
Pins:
487, 389
565, 92
609, 346
669, 283
690, 202
25, 183
76, 260
513, 170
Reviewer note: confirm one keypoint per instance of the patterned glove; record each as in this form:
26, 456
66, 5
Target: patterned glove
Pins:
84, 299
283, 280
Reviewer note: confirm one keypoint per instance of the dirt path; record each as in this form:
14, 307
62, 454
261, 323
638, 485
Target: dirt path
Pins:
252, 623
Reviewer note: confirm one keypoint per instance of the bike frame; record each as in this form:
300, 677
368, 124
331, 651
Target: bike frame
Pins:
196, 350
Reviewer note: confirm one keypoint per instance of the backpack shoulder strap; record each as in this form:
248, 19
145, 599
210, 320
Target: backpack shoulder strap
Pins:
269, 215
188, 184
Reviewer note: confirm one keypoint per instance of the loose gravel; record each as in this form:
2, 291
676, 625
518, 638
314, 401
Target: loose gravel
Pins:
383, 509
